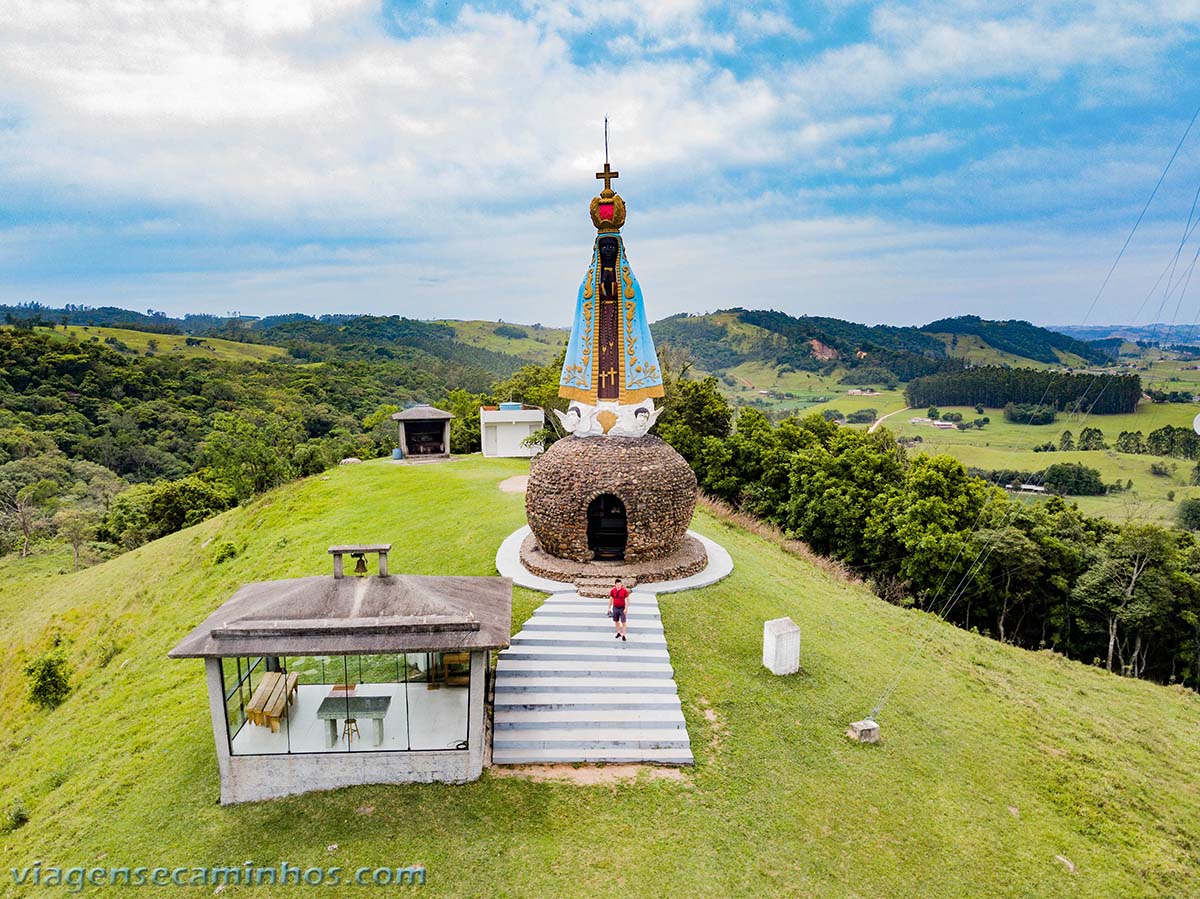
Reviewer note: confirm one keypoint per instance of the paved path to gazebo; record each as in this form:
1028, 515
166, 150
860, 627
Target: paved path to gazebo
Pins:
567, 691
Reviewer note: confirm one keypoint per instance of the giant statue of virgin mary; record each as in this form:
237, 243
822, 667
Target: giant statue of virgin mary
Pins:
610, 372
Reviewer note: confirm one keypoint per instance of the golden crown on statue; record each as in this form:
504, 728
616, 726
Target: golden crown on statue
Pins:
608, 209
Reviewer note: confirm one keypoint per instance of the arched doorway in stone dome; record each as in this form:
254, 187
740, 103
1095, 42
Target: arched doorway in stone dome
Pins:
607, 528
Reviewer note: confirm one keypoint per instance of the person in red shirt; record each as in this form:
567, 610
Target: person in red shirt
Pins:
618, 604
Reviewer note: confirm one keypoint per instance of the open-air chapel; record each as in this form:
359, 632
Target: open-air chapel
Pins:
332, 680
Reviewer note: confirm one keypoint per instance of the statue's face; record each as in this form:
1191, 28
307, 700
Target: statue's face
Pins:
608, 250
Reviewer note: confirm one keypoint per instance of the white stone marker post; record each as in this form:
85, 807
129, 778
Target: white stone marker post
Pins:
781, 646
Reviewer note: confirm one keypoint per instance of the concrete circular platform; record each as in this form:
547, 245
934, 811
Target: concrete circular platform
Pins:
508, 563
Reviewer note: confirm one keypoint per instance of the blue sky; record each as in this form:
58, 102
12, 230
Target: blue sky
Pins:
884, 162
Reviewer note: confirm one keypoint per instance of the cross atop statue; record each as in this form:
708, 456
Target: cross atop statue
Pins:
607, 175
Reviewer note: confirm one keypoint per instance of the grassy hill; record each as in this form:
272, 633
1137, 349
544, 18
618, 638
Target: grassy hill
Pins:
176, 344
1022, 339
978, 351
539, 344
994, 762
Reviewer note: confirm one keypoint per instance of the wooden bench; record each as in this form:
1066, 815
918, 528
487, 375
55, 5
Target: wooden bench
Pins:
270, 701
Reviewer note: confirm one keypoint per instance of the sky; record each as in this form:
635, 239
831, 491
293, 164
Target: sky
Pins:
890, 162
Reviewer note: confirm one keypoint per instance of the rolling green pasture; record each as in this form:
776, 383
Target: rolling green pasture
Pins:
175, 344
978, 351
996, 764
539, 346
1007, 435
1147, 501
751, 378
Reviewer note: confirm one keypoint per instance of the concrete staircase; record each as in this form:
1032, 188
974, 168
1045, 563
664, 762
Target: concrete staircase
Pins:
567, 691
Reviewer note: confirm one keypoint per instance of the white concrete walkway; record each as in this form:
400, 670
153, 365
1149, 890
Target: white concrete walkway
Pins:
567, 691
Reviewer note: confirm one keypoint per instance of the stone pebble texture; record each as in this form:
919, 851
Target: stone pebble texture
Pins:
654, 482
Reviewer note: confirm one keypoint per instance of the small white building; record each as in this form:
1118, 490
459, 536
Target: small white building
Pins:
504, 428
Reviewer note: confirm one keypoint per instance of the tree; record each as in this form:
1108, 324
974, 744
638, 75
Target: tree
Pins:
692, 411
1130, 442
1130, 583
464, 427
245, 455
1009, 571
1188, 514
76, 526
383, 430
1066, 443
925, 524
836, 477
1073, 479
1091, 439
25, 507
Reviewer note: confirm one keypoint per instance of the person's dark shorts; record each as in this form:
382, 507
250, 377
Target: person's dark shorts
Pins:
618, 613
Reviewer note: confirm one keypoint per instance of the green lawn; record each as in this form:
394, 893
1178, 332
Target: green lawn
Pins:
176, 344
994, 760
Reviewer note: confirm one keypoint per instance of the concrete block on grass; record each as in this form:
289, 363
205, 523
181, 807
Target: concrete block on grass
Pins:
781, 646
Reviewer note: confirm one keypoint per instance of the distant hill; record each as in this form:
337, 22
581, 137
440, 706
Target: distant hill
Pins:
714, 342
731, 337
1157, 332
1022, 339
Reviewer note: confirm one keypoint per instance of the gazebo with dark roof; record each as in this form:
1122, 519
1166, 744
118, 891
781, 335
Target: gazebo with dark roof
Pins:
424, 432
322, 682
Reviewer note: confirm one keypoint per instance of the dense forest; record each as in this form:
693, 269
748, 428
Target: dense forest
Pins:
996, 386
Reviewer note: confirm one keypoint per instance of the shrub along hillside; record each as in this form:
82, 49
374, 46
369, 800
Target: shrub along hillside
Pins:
995, 760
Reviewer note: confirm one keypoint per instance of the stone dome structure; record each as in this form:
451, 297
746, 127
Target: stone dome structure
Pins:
628, 499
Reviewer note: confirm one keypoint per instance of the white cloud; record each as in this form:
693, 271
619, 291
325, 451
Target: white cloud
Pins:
308, 122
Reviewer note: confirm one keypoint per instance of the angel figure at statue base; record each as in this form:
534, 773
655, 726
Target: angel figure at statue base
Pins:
609, 419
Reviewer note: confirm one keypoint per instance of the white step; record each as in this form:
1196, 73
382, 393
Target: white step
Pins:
644, 600
524, 685
612, 651
591, 737
675, 756
580, 699
517, 719
603, 638
590, 623
574, 668
598, 605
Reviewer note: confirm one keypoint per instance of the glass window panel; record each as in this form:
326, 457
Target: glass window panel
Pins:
438, 702
378, 705
263, 700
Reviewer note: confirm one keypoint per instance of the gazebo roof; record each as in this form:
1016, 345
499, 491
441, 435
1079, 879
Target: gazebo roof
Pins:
324, 615
424, 412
